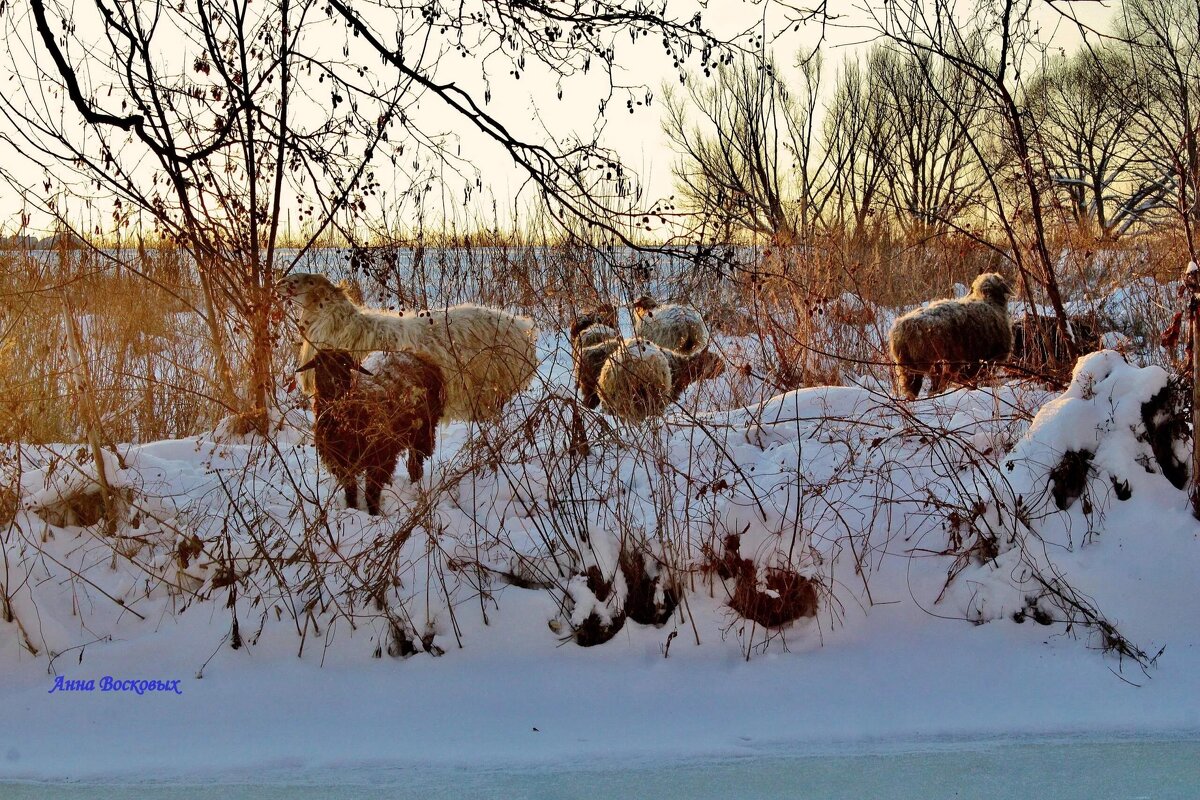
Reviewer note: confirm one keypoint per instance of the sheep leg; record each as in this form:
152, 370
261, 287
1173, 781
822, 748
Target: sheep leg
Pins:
373, 492
421, 449
350, 484
968, 373
587, 393
416, 465
375, 481
908, 382
938, 376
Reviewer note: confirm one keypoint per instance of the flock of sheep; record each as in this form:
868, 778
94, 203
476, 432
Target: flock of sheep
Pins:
465, 362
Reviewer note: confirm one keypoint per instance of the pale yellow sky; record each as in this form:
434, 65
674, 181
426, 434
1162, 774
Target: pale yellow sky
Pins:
530, 107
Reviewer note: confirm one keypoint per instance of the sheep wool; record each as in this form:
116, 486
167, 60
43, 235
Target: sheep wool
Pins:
594, 333
592, 342
675, 327
589, 361
363, 422
952, 340
686, 370
487, 355
635, 381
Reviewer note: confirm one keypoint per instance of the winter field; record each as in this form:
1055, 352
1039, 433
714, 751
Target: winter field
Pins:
823, 587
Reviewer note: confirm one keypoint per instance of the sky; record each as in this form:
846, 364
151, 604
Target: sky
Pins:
530, 106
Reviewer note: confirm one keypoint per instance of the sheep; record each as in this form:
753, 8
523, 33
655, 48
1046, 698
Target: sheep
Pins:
596, 327
487, 355
676, 327
952, 339
635, 379
686, 370
589, 336
363, 424
353, 290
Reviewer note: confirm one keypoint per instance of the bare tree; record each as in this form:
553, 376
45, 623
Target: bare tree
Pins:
747, 162
216, 118
1085, 108
855, 130
579, 178
188, 113
927, 109
992, 47
1163, 42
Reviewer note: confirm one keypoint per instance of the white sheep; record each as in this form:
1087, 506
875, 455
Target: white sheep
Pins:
487, 355
675, 327
635, 379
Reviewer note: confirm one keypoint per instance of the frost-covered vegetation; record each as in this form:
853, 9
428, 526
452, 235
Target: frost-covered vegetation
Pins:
751, 512
743, 493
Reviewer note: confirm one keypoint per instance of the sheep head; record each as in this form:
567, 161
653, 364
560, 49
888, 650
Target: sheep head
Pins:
334, 370
307, 288
583, 323
707, 365
992, 287
644, 305
686, 370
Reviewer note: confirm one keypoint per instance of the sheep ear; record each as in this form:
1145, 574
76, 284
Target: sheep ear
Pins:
312, 362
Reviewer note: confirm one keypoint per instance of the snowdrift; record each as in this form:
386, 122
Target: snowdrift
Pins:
780, 523
846, 543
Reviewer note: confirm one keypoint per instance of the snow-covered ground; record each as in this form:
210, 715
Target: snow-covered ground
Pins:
925, 528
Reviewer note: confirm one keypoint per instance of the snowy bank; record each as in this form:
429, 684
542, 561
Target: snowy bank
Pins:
446, 631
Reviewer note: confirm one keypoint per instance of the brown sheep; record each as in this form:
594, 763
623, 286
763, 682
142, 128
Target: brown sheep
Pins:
363, 423
595, 328
686, 370
952, 340
589, 334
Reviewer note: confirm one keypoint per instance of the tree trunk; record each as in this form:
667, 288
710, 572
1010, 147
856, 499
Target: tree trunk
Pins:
1049, 280
1191, 280
262, 383
216, 335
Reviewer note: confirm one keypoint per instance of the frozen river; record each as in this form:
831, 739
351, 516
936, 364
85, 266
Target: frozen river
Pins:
1063, 769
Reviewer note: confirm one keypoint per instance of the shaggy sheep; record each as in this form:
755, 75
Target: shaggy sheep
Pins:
353, 290
594, 328
635, 379
593, 342
487, 355
686, 370
675, 327
363, 424
952, 339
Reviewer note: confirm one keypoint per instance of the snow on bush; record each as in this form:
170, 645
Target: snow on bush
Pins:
784, 522
1115, 435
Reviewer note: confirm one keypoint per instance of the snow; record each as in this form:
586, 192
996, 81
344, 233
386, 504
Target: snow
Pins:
878, 502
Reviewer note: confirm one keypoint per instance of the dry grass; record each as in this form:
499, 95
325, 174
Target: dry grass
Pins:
145, 353
782, 317
798, 317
